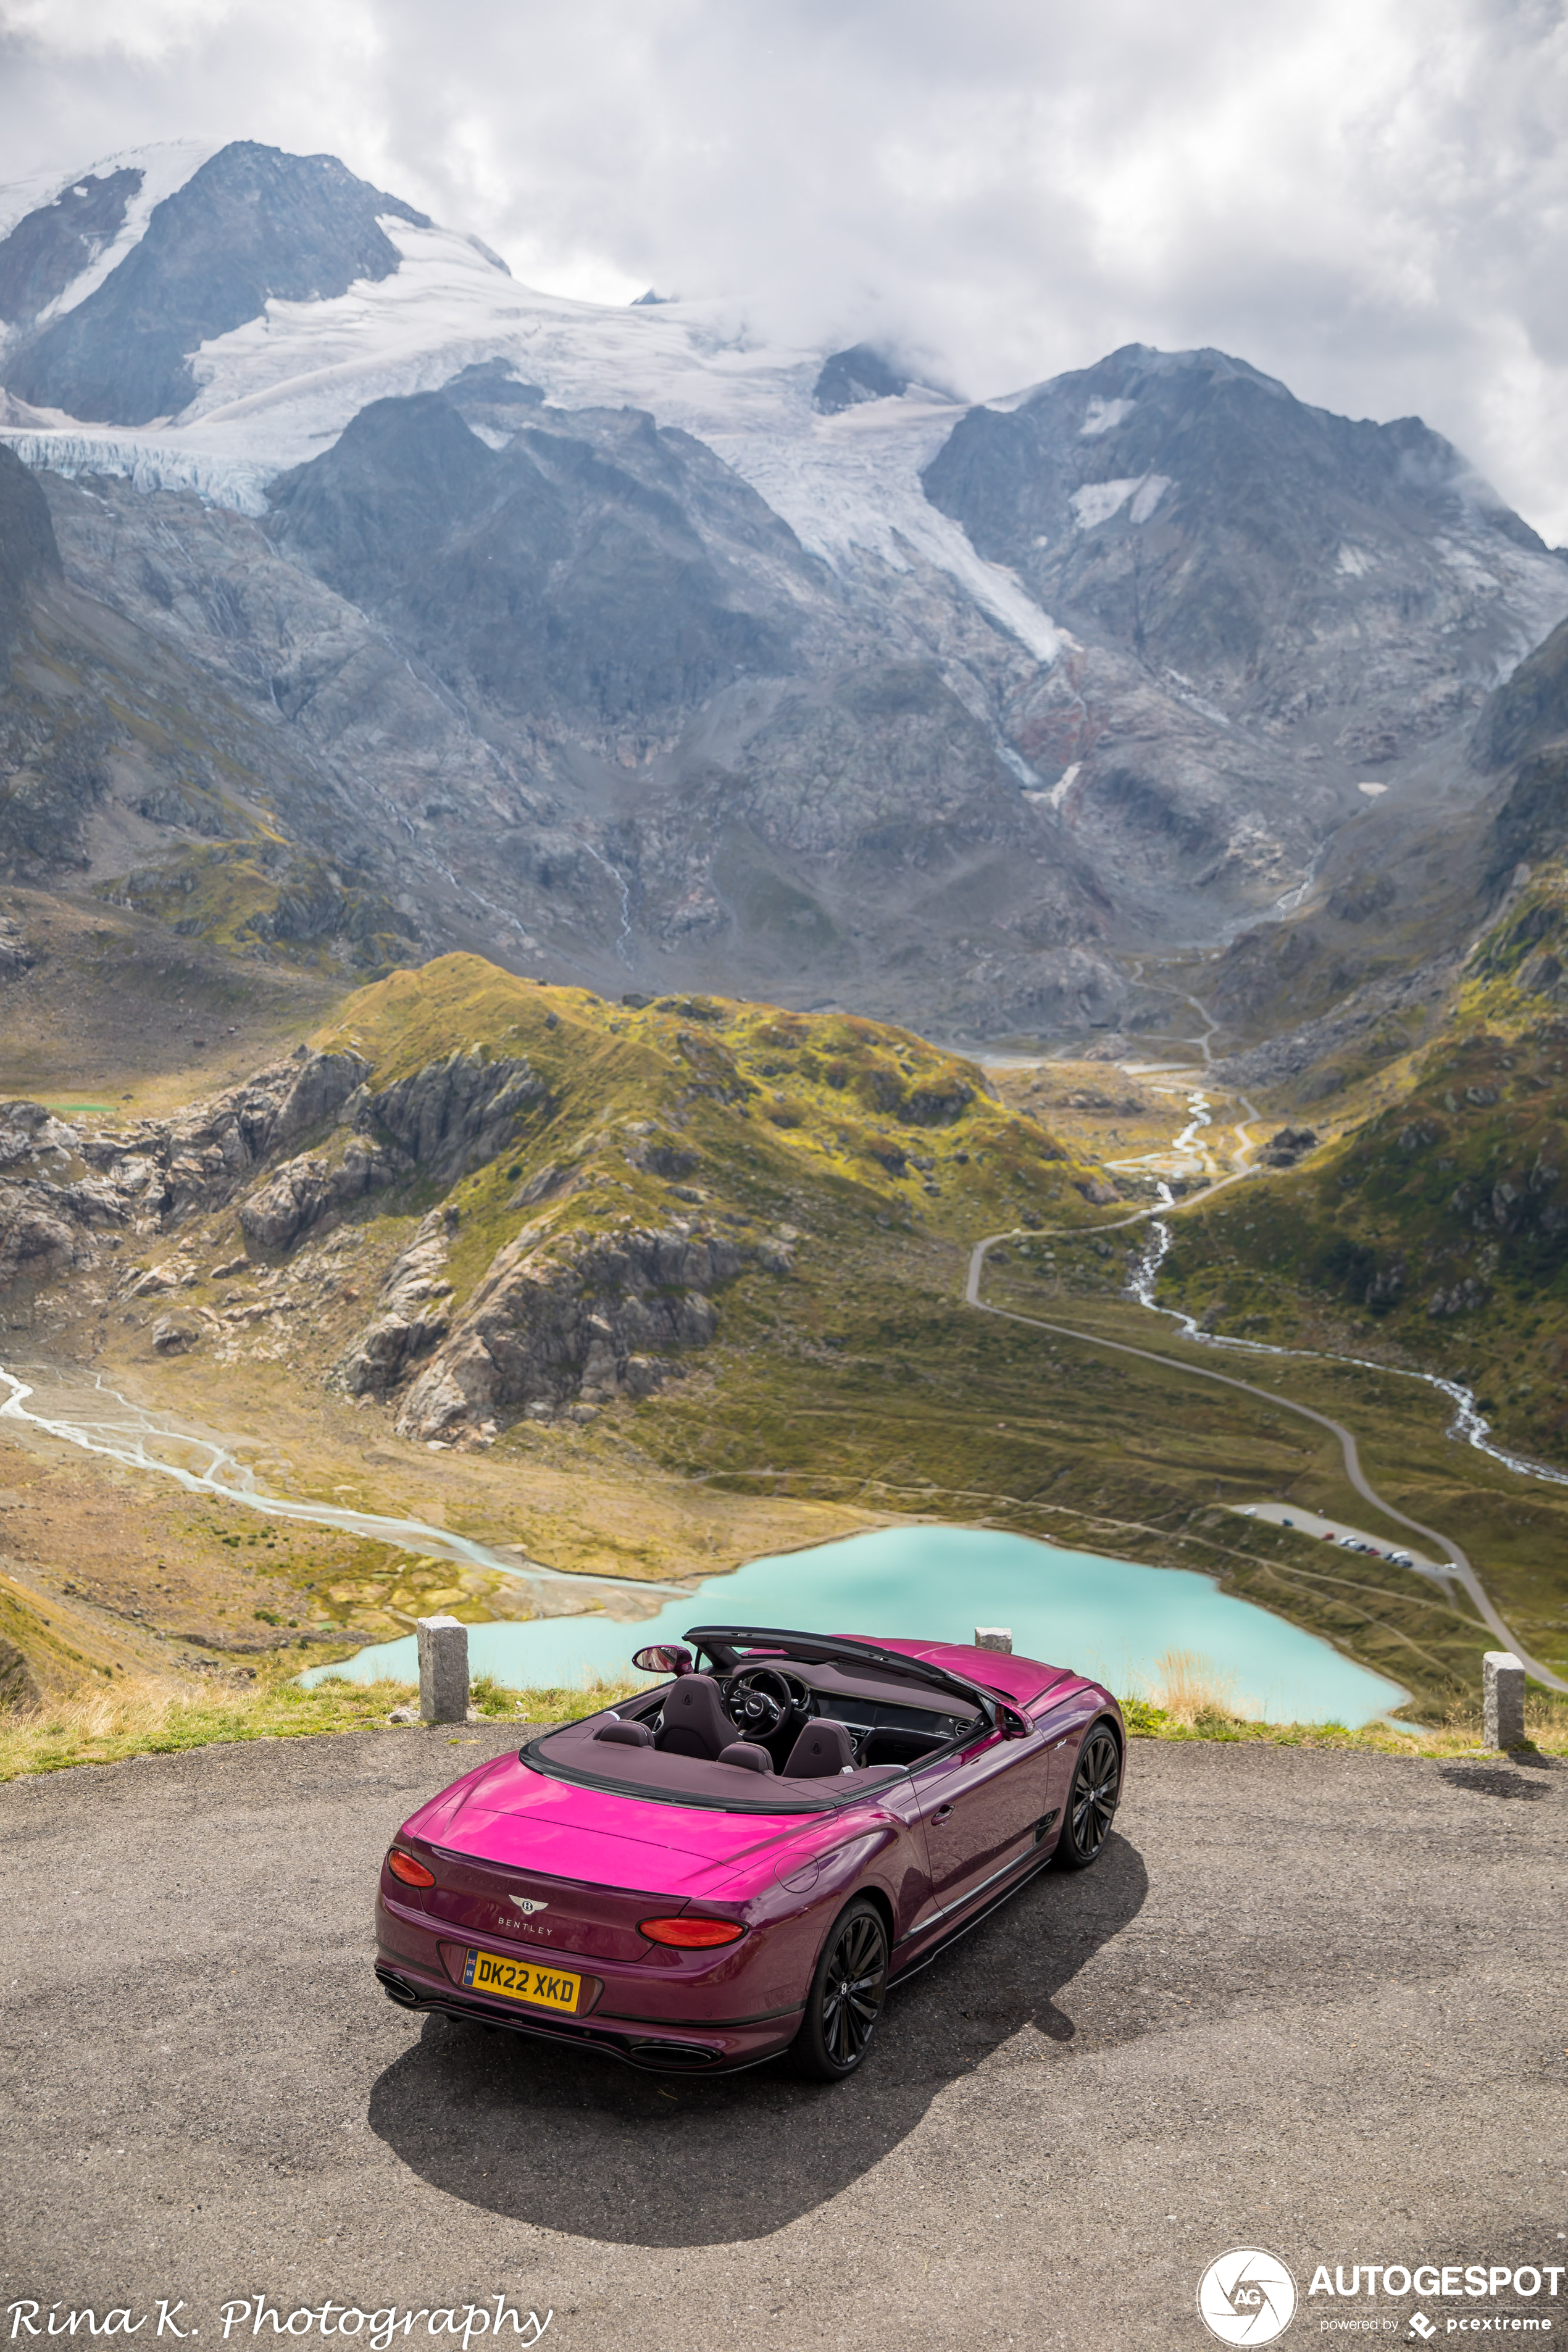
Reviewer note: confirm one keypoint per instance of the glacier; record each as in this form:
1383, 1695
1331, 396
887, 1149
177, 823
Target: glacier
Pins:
277, 391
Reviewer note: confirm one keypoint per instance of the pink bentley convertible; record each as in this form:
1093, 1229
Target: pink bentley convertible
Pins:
741, 1861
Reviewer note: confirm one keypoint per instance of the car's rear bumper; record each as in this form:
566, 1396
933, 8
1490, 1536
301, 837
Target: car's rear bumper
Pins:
415, 1978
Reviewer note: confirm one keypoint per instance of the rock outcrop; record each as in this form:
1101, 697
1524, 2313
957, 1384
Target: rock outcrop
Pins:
449, 1117
411, 1313
558, 1321
49, 1209
35, 1243
303, 1190
1284, 1150
454, 1113
203, 1157
174, 1334
15, 955
59, 1182
62, 1184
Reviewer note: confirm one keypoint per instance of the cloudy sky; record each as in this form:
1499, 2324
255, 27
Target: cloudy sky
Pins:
1367, 198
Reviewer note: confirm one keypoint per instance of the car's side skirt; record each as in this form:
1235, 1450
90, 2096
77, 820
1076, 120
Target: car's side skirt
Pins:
967, 1913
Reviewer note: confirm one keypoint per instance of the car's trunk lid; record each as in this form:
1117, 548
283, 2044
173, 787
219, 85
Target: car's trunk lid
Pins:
593, 1863
485, 1900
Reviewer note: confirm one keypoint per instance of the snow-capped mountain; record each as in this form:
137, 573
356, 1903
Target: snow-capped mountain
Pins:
266, 391
734, 664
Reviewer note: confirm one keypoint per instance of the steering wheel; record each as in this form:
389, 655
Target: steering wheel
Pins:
761, 1702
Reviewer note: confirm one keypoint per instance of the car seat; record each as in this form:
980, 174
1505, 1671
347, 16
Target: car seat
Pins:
824, 1746
695, 1721
625, 1735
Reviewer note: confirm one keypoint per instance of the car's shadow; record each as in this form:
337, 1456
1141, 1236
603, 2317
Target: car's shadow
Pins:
584, 2145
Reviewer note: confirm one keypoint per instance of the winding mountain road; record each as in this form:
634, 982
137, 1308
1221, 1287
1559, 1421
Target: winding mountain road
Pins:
1457, 1563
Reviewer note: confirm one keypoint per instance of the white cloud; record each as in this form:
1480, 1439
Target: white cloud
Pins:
1368, 198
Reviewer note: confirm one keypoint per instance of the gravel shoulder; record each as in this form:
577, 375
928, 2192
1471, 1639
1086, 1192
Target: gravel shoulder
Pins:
1308, 2001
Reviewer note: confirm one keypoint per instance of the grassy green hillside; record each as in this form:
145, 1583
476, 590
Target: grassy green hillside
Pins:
859, 1378
845, 1167
761, 1101
1435, 1230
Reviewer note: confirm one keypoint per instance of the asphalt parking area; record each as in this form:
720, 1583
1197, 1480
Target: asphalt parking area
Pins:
1307, 2002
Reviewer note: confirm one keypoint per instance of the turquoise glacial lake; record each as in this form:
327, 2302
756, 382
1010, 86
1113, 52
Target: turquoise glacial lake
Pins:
1108, 1618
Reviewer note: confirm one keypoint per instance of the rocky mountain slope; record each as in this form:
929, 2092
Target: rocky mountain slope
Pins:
250, 226
1433, 1227
620, 646
1333, 598
1412, 901
541, 1219
133, 764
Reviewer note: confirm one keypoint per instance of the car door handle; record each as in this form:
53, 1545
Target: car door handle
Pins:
942, 1812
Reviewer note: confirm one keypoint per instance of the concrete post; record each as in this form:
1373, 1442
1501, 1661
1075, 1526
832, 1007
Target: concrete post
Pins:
443, 1670
994, 1637
1504, 1685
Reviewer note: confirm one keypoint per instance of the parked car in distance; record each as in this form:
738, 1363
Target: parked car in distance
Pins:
741, 1861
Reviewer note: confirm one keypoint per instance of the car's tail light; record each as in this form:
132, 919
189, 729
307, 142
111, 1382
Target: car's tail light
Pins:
413, 1873
691, 1935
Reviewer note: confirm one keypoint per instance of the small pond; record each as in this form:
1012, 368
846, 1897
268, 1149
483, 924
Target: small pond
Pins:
1109, 1618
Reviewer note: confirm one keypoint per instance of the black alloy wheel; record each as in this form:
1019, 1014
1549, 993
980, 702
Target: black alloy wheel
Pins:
1091, 1808
847, 1994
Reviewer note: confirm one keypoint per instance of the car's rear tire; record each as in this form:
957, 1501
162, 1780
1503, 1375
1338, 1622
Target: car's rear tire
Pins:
847, 1990
1091, 1801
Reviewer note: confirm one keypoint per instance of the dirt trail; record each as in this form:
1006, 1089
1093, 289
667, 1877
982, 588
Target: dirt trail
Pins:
1456, 1561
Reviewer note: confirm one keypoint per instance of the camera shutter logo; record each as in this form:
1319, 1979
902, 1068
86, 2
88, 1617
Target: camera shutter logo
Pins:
1246, 2297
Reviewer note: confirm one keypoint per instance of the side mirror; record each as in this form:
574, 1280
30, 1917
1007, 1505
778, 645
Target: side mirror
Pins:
669, 1658
1012, 1725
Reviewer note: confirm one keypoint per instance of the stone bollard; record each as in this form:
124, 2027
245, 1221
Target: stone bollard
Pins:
994, 1637
1504, 1684
443, 1670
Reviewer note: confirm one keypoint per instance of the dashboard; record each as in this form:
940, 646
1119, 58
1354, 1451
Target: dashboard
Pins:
863, 1715
888, 1721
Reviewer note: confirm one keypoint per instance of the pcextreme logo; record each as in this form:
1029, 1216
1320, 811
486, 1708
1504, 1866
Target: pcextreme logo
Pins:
1246, 2297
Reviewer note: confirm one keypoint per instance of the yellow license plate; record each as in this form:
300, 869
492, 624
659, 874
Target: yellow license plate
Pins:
504, 1979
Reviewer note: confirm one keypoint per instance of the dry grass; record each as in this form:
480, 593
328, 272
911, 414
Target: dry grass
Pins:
95, 1725
1189, 1687
159, 1718
557, 1706
1456, 1732
150, 1719
1545, 1721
